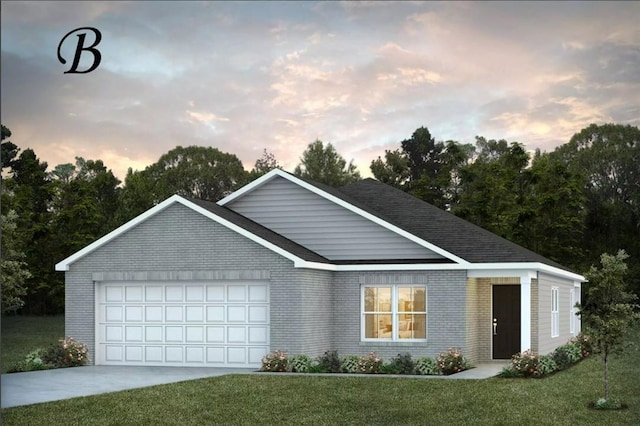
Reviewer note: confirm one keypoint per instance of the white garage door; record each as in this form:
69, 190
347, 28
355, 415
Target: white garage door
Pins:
175, 324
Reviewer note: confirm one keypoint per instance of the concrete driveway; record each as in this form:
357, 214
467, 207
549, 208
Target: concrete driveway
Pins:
52, 385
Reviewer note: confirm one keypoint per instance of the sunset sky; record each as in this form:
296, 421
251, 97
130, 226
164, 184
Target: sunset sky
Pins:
245, 76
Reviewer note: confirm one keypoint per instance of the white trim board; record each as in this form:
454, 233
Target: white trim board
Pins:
475, 270
64, 264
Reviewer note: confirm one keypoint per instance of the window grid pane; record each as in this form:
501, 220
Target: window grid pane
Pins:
555, 313
395, 313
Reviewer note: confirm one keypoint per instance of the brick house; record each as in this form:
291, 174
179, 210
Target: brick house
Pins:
288, 264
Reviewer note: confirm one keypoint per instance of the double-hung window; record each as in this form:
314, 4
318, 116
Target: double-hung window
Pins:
394, 312
555, 313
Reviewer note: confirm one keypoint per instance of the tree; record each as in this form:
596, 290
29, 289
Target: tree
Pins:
9, 150
552, 216
394, 170
492, 188
424, 168
85, 197
324, 165
14, 268
264, 165
606, 157
609, 309
31, 199
196, 171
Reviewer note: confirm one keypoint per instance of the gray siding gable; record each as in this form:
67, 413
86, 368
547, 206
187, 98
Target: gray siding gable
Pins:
322, 225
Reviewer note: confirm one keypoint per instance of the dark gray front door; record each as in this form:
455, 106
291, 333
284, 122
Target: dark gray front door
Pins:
506, 321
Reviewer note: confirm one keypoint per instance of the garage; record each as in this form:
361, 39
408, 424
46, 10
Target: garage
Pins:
203, 324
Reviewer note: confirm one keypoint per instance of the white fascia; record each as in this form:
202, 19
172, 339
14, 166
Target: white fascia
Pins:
277, 172
252, 185
64, 264
488, 270
474, 270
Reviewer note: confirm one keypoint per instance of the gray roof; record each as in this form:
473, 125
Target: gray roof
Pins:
438, 227
260, 231
428, 222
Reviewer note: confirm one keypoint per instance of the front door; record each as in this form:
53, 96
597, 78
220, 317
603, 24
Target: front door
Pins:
506, 321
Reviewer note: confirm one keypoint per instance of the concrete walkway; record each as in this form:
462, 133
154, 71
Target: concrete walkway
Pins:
52, 385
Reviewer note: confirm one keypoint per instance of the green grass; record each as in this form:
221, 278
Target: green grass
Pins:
23, 334
560, 399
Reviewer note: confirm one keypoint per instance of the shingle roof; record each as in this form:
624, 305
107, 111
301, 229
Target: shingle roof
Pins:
441, 228
260, 231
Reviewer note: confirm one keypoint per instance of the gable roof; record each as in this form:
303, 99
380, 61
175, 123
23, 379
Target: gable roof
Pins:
340, 198
226, 217
462, 244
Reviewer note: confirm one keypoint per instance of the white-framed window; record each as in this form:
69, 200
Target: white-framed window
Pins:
555, 312
394, 312
572, 312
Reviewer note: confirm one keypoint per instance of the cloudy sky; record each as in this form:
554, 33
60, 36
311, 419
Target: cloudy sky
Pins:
245, 76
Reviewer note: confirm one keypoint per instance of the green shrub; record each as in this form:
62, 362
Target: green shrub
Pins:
369, 364
546, 365
276, 361
608, 404
508, 372
300, 363
567, 355
330, 362
32, 362
402, 364
427, 367
451, 361
68, 353
389, 368
349, 364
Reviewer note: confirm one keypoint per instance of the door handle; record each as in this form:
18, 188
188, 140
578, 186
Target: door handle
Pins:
495, 327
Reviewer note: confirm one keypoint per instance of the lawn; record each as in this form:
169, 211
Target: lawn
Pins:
21, 335
281, 399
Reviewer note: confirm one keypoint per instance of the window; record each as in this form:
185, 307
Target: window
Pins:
394, 313
555, 313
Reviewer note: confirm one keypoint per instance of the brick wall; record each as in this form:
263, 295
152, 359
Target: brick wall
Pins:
446, 306
180, 244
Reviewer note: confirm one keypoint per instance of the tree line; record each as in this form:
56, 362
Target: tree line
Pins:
570, 205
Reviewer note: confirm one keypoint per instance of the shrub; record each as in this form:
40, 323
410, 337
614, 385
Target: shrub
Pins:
524, 364
509, 372
300, 363
68, 353
402, 364
276, 361
427, 367
32, 362
608, 404
584, 342
330, 362
349, 364
369, 364
567, 355
451, 361
546, 365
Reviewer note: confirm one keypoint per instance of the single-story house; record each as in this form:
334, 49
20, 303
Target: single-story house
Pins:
288, 264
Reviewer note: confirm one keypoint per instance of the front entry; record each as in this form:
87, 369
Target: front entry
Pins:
506, 321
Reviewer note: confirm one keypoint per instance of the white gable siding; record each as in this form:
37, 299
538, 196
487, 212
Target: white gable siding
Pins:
322, 226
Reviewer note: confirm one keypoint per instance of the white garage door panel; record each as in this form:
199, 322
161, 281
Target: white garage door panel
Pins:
205, 324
